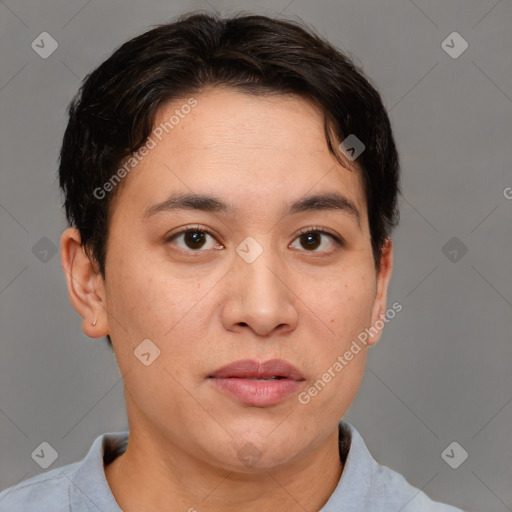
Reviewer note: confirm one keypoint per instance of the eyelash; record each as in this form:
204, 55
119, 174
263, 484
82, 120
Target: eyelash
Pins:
314, 229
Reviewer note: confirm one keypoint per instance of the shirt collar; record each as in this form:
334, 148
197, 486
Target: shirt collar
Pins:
90, 487
354, 487
89, 484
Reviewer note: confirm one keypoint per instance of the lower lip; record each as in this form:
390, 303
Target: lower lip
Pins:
258, 393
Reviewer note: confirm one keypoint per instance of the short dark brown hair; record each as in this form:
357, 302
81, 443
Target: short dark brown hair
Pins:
113, 113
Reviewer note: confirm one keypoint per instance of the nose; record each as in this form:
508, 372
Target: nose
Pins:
260, 297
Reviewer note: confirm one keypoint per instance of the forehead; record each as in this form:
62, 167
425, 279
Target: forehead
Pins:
231, 124
248, 149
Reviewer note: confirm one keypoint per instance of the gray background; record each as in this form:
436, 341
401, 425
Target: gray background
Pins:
442, 370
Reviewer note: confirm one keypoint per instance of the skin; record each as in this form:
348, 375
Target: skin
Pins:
206, 310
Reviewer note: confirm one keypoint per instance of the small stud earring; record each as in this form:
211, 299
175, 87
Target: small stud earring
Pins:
94, 323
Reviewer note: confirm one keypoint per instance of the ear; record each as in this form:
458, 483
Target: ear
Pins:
379, 305
86, 287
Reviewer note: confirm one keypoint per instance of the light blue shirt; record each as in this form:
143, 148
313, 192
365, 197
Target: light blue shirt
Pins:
364, 486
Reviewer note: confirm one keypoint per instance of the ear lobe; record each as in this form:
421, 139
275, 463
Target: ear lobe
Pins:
383, 277
85, 285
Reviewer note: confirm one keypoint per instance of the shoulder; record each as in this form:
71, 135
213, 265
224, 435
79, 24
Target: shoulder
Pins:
80, 486
47, 492
393, 488
373, 487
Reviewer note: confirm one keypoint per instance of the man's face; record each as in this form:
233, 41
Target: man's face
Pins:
254, 289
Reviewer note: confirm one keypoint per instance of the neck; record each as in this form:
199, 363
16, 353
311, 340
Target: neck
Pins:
155, 476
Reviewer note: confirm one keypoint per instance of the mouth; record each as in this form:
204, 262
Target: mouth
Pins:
258, 384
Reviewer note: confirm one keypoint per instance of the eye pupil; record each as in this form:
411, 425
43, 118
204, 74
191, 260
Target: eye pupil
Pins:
311, 240
196, 238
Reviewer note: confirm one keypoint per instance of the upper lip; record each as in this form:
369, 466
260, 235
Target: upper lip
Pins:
251, 369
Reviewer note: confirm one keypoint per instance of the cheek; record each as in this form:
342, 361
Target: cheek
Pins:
344, 303
151, 301
338, 358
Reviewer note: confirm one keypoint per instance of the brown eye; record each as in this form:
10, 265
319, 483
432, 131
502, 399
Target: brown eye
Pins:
311, 239
193, 240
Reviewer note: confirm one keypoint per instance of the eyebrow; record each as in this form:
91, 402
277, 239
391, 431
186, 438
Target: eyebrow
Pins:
211, 204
